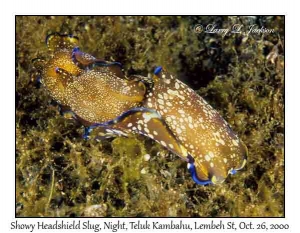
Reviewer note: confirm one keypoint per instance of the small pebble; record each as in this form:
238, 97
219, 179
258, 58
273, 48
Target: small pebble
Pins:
146, 157
143, 171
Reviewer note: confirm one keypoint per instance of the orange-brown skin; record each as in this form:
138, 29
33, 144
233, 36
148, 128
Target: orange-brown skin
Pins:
205, 135
95, 95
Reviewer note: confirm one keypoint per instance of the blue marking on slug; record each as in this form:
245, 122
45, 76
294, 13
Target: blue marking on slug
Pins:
124, 115
195, 178
233, 172
157, 70
87, 131
104, 63
76, 49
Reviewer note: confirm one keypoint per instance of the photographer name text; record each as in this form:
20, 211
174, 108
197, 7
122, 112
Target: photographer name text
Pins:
234, 29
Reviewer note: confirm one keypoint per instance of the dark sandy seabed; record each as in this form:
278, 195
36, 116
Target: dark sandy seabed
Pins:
60, 174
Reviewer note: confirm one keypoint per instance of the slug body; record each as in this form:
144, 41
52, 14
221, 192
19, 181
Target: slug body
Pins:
90, 87
161, 108
213, 149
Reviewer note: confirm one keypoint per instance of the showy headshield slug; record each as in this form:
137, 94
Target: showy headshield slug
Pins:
93, 89
213, 149
162, 108
179, 119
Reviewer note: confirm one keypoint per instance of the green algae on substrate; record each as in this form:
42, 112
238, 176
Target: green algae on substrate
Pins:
60, 174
